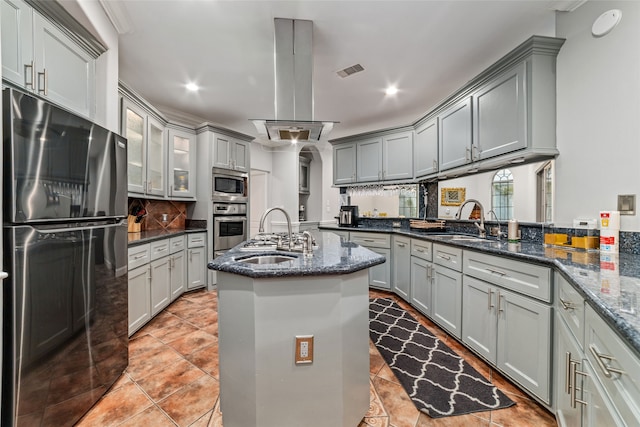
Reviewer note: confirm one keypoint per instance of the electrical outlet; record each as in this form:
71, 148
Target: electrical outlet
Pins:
304, 349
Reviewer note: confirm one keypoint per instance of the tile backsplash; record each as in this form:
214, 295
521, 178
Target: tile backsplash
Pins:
176, 214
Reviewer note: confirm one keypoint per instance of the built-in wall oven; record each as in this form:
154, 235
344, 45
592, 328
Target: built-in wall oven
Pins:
229, 226
229, 186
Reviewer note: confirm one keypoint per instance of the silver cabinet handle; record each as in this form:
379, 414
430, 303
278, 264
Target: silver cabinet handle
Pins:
435, 165
606, 370
491, 270
45, 85
139, 256
490, 299
475, 150
368, 240
3, 275
467, 153
401, 245
573, 372
445, 257
191, 255
500, 309
420, 250
33, 75
567, 305
428, 273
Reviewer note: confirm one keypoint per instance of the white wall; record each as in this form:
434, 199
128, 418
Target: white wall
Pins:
598, 113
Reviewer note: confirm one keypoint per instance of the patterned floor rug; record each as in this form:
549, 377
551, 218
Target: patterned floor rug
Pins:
439, 382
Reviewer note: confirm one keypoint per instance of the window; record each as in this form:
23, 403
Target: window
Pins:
408, 202
545, 194
502, 194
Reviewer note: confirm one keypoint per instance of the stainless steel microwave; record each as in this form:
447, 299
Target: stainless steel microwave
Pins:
229, 185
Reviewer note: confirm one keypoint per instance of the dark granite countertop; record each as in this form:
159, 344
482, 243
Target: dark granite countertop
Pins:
135, 239
333, 256
610, 283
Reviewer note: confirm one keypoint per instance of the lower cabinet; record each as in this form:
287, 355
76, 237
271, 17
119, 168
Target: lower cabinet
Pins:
160, 284
380, 243
402, 267
421, 285
178, 270
196, 261
447, 299
139, 298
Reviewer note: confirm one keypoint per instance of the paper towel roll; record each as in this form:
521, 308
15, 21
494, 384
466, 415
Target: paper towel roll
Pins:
609, 240
609, 220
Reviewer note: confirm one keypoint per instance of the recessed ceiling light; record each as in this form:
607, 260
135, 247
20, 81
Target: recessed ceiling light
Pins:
192, 87
391, 90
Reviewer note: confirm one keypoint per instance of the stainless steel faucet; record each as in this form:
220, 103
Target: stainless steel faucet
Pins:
480, 227
267, 212
494, 232
307, 244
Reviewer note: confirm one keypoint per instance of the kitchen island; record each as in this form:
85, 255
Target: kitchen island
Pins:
263, 307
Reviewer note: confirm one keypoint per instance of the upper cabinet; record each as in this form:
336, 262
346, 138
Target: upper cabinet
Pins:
425, 149
39, 57
504, 115
231, 153
378, 157
182, 160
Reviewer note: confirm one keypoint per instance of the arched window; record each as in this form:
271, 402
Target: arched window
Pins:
502, 194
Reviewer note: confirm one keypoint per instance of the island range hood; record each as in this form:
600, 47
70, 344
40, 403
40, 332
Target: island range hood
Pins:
293, 87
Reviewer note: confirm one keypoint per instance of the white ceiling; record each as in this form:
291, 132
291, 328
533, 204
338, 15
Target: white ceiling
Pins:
427, 48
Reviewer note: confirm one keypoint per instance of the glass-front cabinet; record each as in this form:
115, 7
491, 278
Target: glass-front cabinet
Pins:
182, 152
135, 131
155, 158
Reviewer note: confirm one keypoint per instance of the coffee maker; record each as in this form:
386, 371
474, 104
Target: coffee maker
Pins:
348, 216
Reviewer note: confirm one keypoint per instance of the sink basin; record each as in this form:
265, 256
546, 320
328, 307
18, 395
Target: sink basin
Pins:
268, 259
460, 238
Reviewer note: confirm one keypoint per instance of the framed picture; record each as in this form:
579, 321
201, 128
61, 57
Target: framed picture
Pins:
452, 196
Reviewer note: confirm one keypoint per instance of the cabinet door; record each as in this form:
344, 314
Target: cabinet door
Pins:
240, 155
567, 351
134, 128
454, 142
402, 267
182, 164
178, 275
425, 149
369, 159
156, 164
421, 289
17, 43
397, 156
479, 322
222, 152
499, 114
380, 275
64, 71
160, 284
344, 164
524, 342
139, 298
447, 299
196, 269
599, 410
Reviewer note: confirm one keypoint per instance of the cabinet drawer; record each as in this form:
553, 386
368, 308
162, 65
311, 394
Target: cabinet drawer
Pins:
528, 279
570, 306
176, 244
422, 249
159, 249
371, 240
196, 240
447, 256
138, 255
608, 354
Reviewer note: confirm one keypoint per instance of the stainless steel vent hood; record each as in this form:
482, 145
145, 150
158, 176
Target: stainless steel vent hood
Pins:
294, 86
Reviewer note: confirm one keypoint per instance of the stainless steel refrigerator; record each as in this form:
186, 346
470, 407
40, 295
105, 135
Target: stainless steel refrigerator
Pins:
65, 248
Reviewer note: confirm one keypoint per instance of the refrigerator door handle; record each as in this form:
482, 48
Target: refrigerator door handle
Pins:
3, 275
90, 227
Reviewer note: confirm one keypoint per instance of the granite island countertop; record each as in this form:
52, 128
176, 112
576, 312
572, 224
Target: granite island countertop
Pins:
333, 256
142, 237
609, 282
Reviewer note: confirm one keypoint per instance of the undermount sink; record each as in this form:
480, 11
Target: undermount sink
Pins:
268, 259
461, 238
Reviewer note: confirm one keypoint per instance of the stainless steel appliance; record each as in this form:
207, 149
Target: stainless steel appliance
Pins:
348, 216
229, 226
65, 309
229, 186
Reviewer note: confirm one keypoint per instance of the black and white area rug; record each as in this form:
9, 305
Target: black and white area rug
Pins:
439, 382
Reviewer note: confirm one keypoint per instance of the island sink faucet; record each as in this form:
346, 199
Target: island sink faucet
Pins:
267, 212
482, 231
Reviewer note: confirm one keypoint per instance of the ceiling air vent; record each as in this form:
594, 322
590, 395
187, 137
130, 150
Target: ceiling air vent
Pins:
350, 70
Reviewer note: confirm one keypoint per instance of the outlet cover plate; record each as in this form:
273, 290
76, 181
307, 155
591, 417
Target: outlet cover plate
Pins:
304, 349
627, 204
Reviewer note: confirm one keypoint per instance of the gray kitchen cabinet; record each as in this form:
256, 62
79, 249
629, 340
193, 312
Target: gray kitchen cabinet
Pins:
231, 153
425, 149
401, 269
39, 57
369, 160
196, 260
181, 149
421, 285
499, 114
139, 298
177, 267
455, 135
447, 299
397, 156
344, 164
160, 284
146, 150
380, 243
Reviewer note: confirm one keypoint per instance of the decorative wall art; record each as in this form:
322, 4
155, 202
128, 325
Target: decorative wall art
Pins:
452, 196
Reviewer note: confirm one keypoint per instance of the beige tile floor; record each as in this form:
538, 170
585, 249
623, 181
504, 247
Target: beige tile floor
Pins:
172, 379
